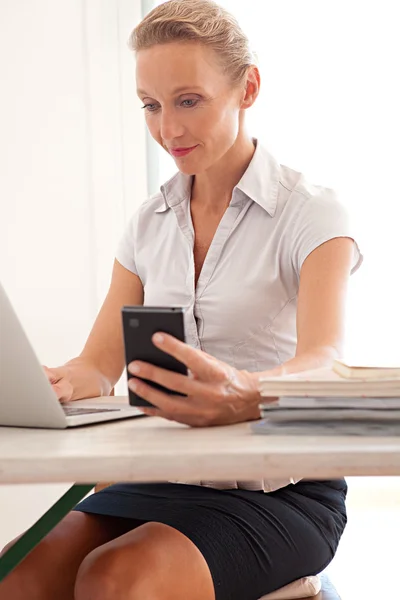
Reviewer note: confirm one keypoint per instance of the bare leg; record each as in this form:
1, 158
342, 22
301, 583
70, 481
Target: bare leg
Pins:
153, 562
49, 571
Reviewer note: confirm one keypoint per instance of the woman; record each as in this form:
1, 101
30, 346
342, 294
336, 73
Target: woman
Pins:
261, 259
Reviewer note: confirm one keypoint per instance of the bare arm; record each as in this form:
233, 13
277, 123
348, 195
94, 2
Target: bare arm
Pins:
99, 366
320, 311
321, 307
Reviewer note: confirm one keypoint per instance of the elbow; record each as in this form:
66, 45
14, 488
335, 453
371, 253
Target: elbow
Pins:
321, 355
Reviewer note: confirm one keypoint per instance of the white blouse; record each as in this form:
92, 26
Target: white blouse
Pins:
243, 309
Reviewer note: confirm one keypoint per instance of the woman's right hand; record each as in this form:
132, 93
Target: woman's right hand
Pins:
60, 380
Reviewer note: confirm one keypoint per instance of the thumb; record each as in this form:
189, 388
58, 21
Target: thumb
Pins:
52, 374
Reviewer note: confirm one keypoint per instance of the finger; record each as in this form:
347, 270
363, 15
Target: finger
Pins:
167, 403
155, 412
169, 379
51, 375
198, 420
151, 412
196, 360
63, 391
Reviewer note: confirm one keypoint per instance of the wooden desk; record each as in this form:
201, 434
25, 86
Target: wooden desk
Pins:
152, 449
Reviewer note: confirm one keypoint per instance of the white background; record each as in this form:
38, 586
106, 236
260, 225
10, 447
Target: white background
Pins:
72, 170
329, 106
73, 165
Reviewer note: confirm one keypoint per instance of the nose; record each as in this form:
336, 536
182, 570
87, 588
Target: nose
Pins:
170, 125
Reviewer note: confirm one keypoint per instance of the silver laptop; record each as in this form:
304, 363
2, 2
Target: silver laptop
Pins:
26, 396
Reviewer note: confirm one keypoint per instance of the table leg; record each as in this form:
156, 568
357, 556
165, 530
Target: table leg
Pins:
41, 528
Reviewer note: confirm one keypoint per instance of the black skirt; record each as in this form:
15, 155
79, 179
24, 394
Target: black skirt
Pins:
253, 542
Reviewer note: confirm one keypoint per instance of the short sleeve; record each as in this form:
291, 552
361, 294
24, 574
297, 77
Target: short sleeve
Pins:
320, 219
125, 253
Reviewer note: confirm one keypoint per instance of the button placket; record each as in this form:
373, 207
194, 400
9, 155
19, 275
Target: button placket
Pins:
181, 212
234, 214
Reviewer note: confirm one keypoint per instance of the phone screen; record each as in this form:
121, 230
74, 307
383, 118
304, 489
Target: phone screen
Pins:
140, 323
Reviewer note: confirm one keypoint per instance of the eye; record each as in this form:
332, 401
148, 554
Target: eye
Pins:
150, 107
194, 102
188, 103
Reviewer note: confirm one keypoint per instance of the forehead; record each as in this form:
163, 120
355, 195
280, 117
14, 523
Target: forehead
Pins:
170, 66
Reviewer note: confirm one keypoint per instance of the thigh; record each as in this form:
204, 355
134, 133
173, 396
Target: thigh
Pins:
49, 571
153, 562
252, 543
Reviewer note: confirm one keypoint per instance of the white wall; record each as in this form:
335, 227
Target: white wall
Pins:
328, 106
72, 169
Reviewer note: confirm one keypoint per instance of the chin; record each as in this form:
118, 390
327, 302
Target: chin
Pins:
188, 170
188, 167
192, 166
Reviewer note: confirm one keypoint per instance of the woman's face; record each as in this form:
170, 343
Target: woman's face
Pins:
189, 103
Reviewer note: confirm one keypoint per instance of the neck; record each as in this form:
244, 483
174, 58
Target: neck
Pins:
213, 188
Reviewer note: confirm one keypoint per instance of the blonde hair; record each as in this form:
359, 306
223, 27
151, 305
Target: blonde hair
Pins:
202, 21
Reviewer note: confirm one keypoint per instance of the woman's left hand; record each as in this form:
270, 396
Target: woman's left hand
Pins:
216, 393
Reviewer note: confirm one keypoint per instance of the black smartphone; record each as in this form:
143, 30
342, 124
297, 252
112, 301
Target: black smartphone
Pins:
140, 323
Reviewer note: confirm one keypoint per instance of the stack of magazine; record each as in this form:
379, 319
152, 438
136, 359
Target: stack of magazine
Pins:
338, 401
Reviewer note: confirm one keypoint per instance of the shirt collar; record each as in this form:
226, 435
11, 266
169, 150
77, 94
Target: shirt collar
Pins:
259, 182
175, 190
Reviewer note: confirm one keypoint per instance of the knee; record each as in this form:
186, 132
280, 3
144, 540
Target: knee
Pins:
8, 546
97, 576
100, 576
23, 582
120, 571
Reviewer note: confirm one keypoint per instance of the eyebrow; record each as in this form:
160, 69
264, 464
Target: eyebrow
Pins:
175, 91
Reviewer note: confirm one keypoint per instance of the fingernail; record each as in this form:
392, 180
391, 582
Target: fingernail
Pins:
132, 385
134, 368
159, 338
148, 411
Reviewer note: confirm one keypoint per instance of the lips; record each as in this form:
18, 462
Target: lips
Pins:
181, 151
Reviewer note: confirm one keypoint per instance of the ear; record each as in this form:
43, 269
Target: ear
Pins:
252, 87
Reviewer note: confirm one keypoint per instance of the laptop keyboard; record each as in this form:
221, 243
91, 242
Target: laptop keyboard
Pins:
72, 411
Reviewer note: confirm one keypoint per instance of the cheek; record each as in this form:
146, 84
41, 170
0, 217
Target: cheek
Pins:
197, 120
225, 125
215, 120
153, 126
